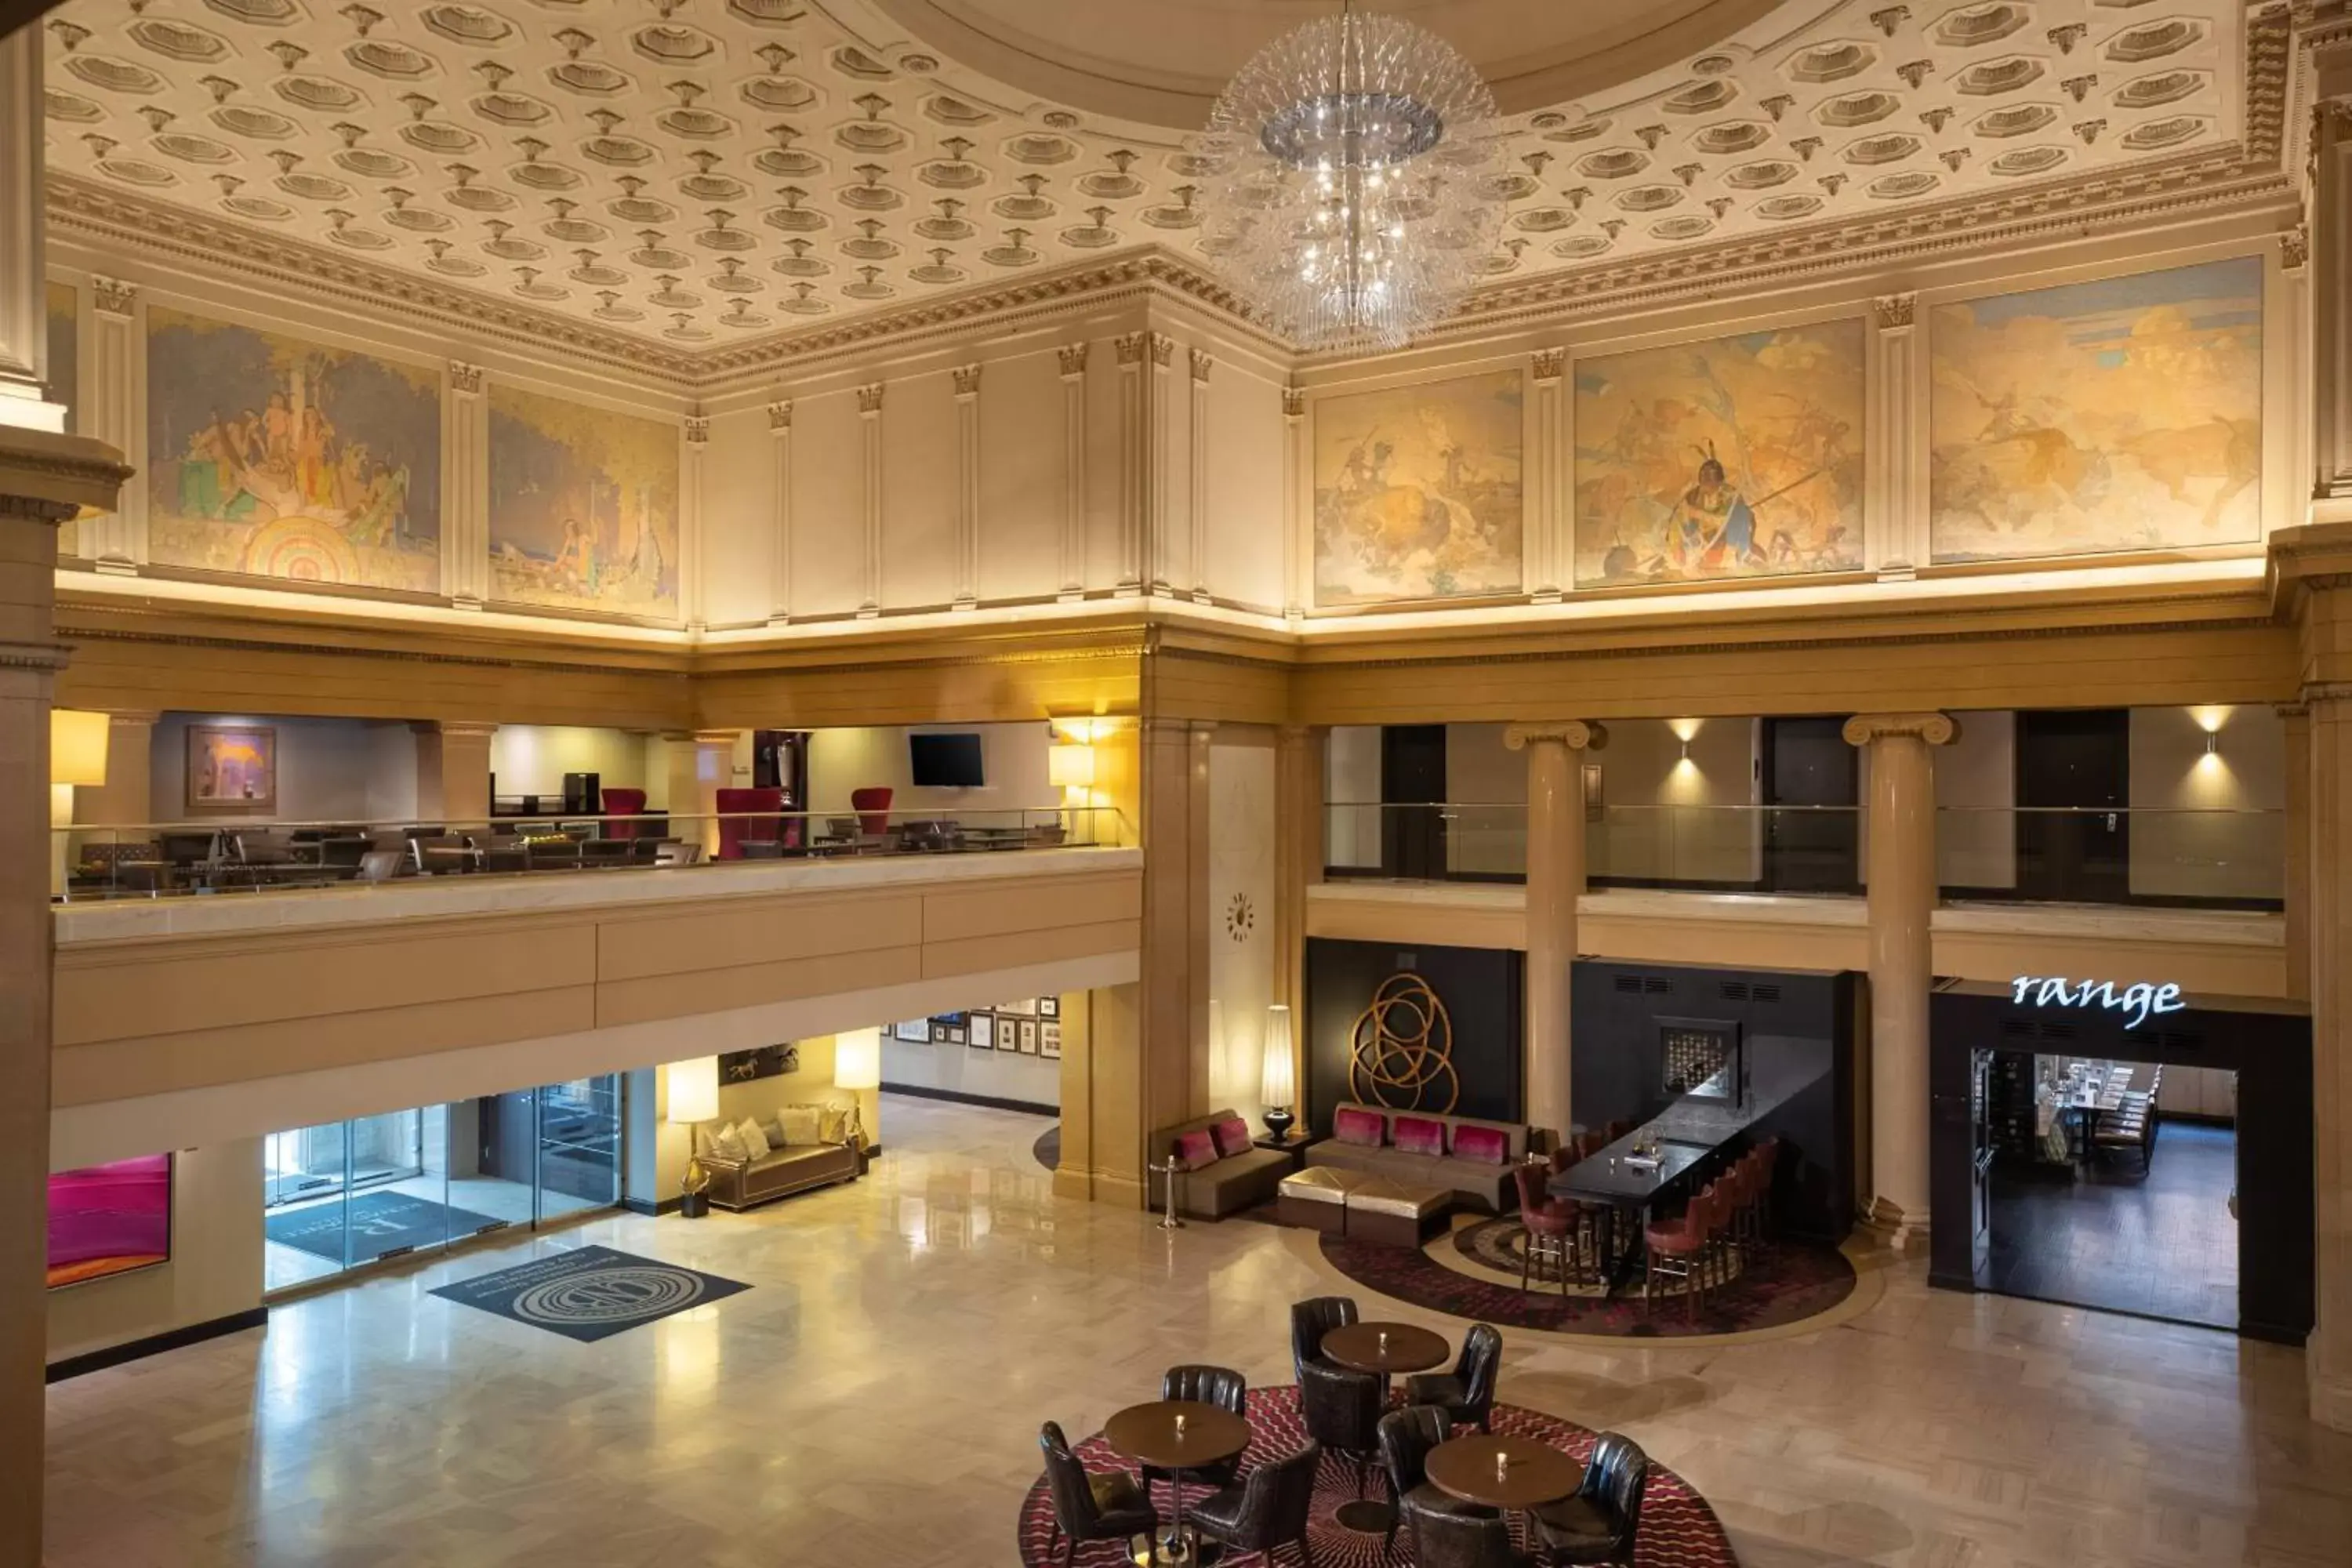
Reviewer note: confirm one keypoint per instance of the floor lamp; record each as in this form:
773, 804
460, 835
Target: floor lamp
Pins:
856, 1066
76, 757
693, 1101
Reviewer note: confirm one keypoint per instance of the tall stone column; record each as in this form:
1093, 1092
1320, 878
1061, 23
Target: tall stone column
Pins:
453, 772
2294, 720
1902, 877
2328, 1351
45, 478
1555, 882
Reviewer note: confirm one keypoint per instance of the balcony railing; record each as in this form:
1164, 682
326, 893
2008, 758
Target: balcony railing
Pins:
2181, 856
180, 859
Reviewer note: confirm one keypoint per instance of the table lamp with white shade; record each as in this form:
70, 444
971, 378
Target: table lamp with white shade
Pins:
693, 1099
857, 1065
77, 758
1279, 1086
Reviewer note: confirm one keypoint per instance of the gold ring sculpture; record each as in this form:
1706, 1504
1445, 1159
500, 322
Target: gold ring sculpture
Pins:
1403, 1046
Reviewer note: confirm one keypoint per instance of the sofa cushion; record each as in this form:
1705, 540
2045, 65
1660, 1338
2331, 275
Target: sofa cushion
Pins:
1354, 1125
1232, 1135
727, 1143
1482, 1145
1196, 1150
755, 1141
832, 1124
799, 1123
1418, 1135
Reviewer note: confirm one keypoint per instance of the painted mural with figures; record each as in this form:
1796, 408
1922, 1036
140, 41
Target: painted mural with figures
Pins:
583, 506
1417, 491
2124, 413
271, 456
1739, 457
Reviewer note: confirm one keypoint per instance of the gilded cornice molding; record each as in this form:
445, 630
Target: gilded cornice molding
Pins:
1576, 734
1935, 728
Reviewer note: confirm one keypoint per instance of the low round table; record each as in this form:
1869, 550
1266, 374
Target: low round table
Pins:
1382, 1349
1534, 1474
1147, 1435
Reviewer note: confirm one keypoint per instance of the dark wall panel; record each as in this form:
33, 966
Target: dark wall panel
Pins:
1481, 988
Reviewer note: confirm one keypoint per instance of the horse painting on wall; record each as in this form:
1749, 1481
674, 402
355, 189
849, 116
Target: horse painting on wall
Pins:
270, 456
1417, 493
2124, 413
1739, 457
583, 506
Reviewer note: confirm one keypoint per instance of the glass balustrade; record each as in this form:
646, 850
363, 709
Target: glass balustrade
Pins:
170, 858
2153, 856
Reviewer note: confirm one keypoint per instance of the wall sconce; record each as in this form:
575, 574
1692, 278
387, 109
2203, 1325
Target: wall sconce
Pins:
1071, 764
2213, 743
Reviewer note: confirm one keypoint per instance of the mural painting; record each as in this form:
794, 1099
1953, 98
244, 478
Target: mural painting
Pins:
1417, 493
1740, 457
583, 506
65, 381
271, 456
2120, 415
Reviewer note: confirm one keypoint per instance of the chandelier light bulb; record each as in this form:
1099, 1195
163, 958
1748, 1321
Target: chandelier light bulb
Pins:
1351, 193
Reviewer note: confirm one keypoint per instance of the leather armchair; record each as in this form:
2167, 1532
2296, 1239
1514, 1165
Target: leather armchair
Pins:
1219, 1385
1597, 1524
1467, 1392
1267, 1511
1406, 1437
1108, 1507
1309, 1321
1342, 1412
1446, 1540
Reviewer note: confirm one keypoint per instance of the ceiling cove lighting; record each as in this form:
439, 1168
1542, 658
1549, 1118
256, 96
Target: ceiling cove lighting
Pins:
1352, 189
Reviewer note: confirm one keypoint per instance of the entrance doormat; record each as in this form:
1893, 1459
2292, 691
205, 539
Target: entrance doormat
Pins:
591, 1293
381, 1224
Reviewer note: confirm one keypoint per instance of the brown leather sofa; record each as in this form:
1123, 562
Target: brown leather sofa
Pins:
785, 1169
1475, 1184
1233, 1184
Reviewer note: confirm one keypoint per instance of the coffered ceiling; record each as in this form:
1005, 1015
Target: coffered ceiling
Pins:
710, 172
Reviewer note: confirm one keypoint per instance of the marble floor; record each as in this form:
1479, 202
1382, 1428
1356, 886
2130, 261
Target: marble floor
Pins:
873, 1400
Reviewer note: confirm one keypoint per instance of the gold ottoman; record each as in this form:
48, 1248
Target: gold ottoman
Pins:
1394, 1213
1317, 1198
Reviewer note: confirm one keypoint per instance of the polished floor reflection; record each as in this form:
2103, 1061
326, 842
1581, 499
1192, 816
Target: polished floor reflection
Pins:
873, 1400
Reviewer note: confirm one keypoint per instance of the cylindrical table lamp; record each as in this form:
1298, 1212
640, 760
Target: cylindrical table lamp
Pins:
1278, 1085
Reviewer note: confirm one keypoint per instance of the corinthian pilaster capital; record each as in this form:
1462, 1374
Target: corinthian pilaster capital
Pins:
1576, 734
1935, 728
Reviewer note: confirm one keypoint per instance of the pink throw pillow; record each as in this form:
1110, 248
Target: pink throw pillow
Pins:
1488, 1145
1196, 1150
1419, 1135
1232, 1135
1367, 1128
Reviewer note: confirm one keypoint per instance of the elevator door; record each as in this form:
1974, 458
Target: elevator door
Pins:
1811, 846
2074, 781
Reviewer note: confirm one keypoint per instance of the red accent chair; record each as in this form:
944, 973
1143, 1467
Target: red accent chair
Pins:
623, 804
734, 830
873, 807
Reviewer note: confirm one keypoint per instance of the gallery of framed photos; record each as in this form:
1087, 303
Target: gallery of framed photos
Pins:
1008, 1056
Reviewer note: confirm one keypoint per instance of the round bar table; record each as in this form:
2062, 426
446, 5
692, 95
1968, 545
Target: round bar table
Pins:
1175, 1435
1382, 1349
1530, 1475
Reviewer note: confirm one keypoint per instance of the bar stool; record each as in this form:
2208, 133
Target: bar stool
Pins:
1678, 1248
1551, 1226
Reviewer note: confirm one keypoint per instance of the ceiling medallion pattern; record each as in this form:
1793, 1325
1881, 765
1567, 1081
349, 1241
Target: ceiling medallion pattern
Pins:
650, 171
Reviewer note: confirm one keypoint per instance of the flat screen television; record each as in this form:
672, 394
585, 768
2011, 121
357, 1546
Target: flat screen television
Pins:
945, 762
110, 1219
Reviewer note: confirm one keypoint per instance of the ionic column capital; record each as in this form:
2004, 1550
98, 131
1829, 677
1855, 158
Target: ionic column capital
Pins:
1935, 728
1576, 734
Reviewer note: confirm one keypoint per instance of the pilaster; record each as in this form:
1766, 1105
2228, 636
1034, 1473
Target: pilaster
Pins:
1297, 507
869, 424
1159, 443
1134, 456
694, 440
23, 308
1549, 556
1074, 472
780, 543
453, 772
2294, 723
1555, 870
1902, 888
2330, 286
1197, 493
967, 399
466, 488
127, 798
115, 542
1895, 498
1298, 772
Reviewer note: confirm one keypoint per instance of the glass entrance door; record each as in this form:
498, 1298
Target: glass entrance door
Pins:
579, 1145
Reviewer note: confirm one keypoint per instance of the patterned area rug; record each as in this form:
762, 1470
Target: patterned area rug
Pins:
1678, 1529
1782, 1283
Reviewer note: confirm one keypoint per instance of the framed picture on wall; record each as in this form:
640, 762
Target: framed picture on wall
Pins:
984, 1031
1049, 1006
232, 770
914, 1031
1008, 1033
110, 1219
1049, 1040
762, 1062
1028, 1037
1024, 1008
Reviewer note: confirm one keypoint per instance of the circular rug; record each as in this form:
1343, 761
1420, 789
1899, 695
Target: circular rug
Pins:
1678, 1529
1782, 1283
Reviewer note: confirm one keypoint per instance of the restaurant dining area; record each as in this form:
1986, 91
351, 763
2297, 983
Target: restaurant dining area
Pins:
1391, 1448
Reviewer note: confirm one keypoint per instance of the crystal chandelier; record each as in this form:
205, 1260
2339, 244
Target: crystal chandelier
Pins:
1349, 184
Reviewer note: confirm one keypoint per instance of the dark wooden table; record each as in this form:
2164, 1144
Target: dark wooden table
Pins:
1149, 1435
1532, 1473
1385, 1348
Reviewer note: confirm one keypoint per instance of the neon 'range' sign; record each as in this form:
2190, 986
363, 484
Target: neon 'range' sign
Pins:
2141, 1000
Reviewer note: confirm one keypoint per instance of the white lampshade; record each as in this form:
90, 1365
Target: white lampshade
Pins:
1071, 765
857, 1059
693, 1090
77, 747
1279, 1086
